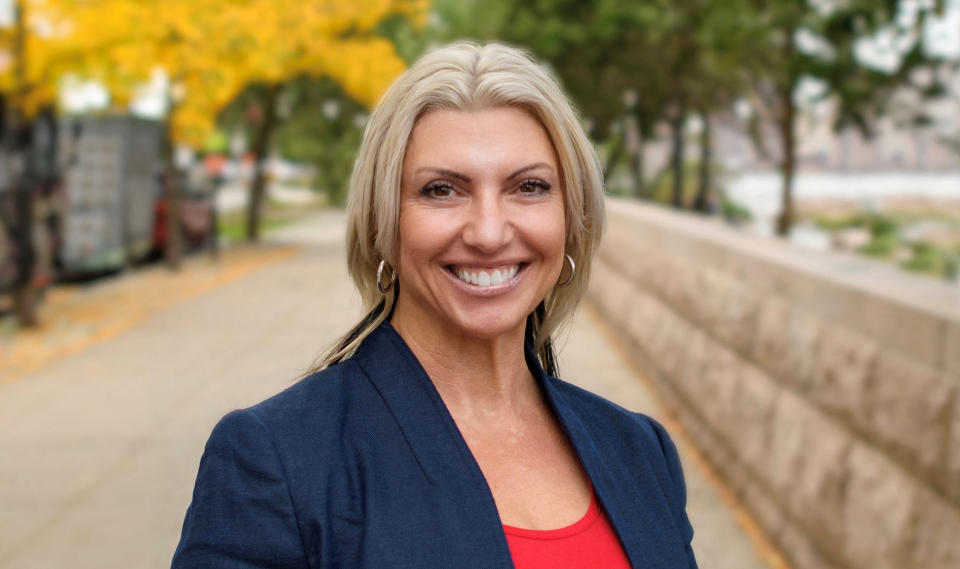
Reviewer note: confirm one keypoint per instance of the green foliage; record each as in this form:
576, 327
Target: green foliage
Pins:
660, 60
321, 126
325, 129
735, 213
884, 231
833, 223
617, 191
660, 189
887, 240
884, 245
819, 40
655, 60
926, 258
670, 55
334, 166
217, 142
879, 224
233, 227
477, 20
407, 37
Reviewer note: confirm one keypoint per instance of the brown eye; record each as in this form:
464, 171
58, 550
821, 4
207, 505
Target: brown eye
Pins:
437, 190
533, 186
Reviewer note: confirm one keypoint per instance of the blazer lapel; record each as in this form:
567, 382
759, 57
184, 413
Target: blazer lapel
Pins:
433, 436
632, 503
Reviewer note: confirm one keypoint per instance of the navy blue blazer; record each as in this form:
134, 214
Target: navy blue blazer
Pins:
361, 465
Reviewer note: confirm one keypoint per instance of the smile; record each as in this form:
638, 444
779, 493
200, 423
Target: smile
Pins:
489, 276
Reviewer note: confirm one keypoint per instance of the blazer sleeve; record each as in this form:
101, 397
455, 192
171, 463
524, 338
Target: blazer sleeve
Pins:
678, 491
242, 515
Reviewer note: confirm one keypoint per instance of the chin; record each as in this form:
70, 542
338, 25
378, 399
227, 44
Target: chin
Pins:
490, 326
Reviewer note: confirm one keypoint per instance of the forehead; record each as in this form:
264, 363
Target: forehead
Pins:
481, 138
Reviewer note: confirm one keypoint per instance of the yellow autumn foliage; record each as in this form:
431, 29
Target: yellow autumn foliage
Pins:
210, 49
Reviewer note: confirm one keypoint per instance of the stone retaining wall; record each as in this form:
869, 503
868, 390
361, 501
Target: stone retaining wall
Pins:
823, 387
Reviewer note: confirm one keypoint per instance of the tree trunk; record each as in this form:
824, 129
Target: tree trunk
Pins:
787, 131
634, 139
702, 201
261, 147
787, 127
25, 294
677, 155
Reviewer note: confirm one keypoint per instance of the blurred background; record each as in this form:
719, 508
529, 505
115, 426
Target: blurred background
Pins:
832, 124
780, 282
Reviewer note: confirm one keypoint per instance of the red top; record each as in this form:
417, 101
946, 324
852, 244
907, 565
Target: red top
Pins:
589, 542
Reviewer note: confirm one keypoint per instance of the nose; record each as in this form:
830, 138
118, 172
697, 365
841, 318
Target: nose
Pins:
488, 226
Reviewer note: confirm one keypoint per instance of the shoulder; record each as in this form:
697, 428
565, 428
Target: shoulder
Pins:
324, 394
595, 409
314, 413
635, 436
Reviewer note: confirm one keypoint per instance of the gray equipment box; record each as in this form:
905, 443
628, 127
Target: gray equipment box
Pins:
111, 174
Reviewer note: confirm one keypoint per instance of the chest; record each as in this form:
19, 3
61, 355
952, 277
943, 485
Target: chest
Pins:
533, 472
391, 498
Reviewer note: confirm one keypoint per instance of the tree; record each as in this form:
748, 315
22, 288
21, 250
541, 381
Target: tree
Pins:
25, 290
26, 90
324, 128
213, 50
819, 40
210, 51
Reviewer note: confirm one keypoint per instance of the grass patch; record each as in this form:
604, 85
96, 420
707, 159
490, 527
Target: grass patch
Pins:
233, 225
878, 224
887, 239
925, 258
733, 212
882, 246
929, 259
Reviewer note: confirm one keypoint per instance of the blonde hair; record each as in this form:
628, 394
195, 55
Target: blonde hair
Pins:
466, 77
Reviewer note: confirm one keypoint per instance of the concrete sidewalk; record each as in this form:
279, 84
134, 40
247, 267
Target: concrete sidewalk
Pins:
99, 450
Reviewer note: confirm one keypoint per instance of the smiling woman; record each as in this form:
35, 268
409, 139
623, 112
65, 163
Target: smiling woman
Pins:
435, 434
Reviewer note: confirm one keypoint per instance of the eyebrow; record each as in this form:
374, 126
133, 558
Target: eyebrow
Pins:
463, 178
444, 172
526, 169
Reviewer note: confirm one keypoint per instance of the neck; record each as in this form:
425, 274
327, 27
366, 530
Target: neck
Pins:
476, 377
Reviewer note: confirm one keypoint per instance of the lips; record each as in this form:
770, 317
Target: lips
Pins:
486, 276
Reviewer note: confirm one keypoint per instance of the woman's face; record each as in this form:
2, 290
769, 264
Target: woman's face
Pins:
481, 222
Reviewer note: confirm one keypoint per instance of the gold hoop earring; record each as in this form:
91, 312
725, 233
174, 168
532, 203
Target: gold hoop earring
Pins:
573, 271
393, 278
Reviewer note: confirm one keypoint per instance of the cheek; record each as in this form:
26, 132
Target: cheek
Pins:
422, 233
551, 227
409, 239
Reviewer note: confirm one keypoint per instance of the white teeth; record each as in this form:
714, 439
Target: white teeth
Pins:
485, 279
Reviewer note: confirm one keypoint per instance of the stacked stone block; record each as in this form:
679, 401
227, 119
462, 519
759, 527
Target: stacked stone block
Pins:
823, 388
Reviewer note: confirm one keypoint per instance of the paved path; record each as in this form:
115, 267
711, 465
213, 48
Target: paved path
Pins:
98, 450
